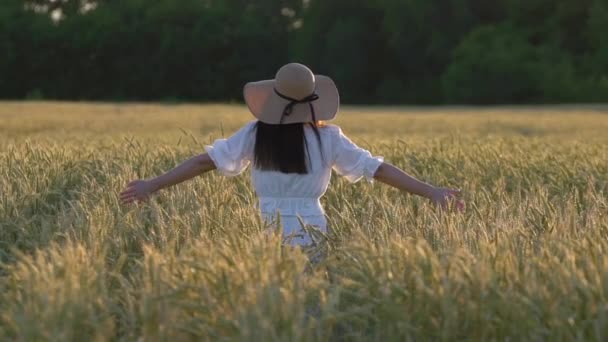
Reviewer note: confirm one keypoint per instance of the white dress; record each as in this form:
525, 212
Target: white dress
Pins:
285, 197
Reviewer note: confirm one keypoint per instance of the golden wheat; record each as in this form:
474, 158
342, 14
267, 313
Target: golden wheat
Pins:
528, 260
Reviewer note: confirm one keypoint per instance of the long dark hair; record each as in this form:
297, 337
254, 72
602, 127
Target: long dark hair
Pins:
283, 147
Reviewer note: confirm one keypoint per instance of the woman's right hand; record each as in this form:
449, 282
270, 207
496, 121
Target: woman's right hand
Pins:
137, 190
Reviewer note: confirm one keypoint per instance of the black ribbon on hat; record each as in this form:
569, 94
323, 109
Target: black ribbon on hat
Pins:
292, 102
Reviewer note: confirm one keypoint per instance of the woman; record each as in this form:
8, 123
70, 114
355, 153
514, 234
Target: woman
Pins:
292, 154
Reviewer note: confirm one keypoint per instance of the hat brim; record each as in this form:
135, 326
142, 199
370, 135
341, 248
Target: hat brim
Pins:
268, 107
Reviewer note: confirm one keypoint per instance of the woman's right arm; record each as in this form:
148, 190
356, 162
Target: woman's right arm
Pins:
230, 156
140, 190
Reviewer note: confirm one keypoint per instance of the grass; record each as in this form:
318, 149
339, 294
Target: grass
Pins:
528, 260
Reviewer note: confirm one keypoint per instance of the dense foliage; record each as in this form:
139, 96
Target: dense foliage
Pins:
381, 51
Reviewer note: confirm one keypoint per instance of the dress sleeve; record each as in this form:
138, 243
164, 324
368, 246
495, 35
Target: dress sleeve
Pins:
351, 161
231, 156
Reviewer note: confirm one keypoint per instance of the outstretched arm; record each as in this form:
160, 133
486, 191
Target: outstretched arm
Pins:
397, 178
140, 190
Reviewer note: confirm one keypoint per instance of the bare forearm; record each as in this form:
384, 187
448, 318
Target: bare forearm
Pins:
185, 171
397, 178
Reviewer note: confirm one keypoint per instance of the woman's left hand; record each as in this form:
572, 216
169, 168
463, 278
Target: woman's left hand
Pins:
447, 198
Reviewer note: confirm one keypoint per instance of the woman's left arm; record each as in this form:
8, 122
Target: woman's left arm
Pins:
140, 190
397, 178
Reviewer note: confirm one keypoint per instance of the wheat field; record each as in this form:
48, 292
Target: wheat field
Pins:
527, 260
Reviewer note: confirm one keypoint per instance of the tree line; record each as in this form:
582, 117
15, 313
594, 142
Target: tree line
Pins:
378, 51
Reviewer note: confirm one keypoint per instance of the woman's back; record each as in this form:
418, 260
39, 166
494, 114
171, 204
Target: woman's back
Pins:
293, 193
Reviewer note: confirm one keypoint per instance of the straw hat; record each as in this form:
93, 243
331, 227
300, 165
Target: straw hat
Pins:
295, 95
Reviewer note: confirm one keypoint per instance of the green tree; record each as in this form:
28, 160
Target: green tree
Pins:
383, 51
142, 50
493, 64
421, 35
597, 62
24, 39
344, 39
